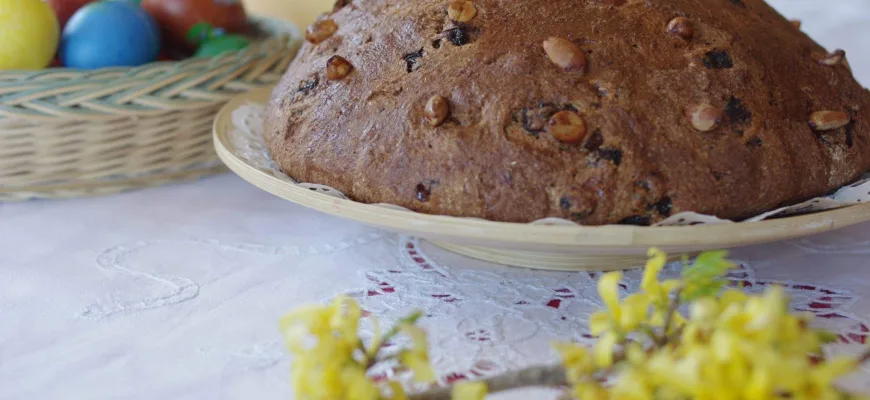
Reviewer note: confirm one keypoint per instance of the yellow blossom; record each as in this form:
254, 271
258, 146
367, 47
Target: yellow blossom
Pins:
591, 391
331, 362
704, 311
633, 385
303, 323
358, 386
724, 346
635, 311
619, 317
729, 297
338, 323
730, 346
604, 348
377, 339
468, 391
345, 315
658, 293
398, 391
660, 315
608, 289
635, 353
655, 265
417, 358
829, 371
577, 360
766, 311
599, 322
323, 340
667, 368
759, 386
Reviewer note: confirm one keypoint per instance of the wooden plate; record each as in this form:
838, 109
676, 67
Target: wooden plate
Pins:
556, 247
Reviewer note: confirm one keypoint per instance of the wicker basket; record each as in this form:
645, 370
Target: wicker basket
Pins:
69, 133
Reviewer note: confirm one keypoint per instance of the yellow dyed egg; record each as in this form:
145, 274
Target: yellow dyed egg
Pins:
28, 34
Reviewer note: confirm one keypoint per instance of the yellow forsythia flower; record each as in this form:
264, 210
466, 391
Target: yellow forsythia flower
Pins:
468, 391
357, 385
654, 266
635, 311
589, 390
398, 391
658, 292
323, 341
619, 317
632, 385
331, 362
345, 315
732, 346
377, 339
417, 358
608, 289
303, 323
577, 360
604, 349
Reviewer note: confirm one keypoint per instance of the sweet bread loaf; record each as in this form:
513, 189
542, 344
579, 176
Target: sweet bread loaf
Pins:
597, 111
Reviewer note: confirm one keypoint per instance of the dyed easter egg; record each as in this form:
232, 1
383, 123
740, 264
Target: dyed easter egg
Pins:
109, 33
28, 34
177, 17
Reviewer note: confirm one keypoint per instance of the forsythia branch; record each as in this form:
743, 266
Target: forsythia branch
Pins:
729, 344
544, 376
673, 306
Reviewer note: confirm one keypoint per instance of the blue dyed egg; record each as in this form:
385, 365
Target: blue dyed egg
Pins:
109, 33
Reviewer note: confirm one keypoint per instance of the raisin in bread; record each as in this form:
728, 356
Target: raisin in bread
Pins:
597, 111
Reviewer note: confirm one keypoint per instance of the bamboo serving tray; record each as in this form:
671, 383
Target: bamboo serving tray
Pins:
555, 247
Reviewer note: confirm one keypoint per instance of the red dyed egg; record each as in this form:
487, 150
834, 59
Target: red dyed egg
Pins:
177, 17
64, 9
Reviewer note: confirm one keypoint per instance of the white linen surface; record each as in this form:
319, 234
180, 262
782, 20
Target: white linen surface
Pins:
175, 292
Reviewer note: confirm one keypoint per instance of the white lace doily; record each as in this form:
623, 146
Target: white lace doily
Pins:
247, 139
494, 320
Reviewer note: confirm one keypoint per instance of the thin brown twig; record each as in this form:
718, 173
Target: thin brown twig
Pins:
542, 376
669, 318
372, 359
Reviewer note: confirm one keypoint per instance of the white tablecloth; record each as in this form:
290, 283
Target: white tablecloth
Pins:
175, 292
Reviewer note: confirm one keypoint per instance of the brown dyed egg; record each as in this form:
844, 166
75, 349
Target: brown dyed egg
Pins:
177, 18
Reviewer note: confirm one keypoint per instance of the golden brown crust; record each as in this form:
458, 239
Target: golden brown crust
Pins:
641, 157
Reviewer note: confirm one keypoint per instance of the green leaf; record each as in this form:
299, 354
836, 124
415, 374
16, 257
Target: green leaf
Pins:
200, 32
704, 277
411, 319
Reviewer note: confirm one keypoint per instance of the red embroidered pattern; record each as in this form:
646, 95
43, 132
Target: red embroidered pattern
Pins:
570, 299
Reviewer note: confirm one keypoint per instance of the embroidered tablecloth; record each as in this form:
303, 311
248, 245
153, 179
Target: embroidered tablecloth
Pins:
175, 292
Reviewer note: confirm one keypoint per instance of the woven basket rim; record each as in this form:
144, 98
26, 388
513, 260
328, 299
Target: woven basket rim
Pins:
151, 89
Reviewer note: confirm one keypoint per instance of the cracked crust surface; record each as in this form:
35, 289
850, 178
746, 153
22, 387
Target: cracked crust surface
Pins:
641, 160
